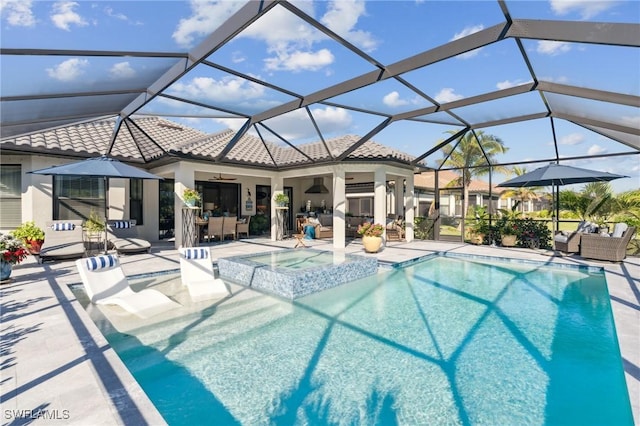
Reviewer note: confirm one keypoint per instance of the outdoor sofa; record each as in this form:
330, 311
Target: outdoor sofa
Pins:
611, 248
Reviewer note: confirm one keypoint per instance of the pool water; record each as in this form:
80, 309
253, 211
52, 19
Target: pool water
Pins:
296, 260
444, 341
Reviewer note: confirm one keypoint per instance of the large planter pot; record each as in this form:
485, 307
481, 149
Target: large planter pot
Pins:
371, 244
190, 203
5, 270
509, 240
477, 239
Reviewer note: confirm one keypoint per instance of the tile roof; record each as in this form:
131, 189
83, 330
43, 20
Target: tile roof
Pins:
427, 180
143, 139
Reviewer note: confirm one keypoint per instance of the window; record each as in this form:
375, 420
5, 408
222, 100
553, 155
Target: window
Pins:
75, 197
135, 200
10, 196
166, 210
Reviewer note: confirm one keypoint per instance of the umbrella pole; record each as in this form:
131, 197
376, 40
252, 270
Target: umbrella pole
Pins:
106, 212
557, 196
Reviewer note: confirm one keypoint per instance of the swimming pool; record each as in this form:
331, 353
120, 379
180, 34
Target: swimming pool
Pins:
442, 341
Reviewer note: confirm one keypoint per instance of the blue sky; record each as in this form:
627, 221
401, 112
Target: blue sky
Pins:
283, 50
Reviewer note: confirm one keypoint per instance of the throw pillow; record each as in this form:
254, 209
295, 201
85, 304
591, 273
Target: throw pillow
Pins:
619, 229
102, 262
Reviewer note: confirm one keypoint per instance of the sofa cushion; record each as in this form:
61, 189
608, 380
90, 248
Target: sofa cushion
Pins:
619, 229
561, 238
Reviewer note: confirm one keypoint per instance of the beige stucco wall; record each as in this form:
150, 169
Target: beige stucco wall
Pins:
37, 189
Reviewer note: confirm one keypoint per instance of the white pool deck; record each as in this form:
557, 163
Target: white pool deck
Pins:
57, 368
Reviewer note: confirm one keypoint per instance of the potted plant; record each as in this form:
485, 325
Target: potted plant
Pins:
190, 197
281, 199
508, 225
94, 225
480, 227
371, 236
12, 252
31, 236
509, 234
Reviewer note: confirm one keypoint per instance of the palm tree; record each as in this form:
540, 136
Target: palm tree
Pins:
470, 158
524, 193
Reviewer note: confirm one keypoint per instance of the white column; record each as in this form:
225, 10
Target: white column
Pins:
339, 208
277, 187
184, 178
409, 203
380, 197
399, 196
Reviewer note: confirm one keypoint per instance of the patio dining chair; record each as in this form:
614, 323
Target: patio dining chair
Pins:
214, 229
229, 227
106, 284
243, 227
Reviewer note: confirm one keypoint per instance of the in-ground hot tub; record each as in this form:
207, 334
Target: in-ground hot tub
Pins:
295, 273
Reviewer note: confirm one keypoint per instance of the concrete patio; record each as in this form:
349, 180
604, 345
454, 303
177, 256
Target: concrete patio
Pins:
58, 368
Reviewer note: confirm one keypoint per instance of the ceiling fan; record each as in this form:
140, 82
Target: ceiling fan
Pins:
219, 177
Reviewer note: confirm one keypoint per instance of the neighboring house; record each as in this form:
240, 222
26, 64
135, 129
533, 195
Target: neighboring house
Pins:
450, 196
239, 180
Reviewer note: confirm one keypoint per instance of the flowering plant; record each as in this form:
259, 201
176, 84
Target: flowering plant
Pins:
371, 229
510, 228
11, 249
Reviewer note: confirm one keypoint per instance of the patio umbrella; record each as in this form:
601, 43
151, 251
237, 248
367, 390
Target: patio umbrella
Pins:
100, 167
556, 175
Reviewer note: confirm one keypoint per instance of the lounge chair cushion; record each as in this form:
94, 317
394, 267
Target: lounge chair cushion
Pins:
63, 244
102, 262
124, 237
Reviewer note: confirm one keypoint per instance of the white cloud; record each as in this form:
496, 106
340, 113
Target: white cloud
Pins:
507, 84
206, 16
69, 70
393, 100
631, 121
342, 16
299, 61
548, 47
586, 8
237, 57
225, 89
447, 95
331, 119
18, 13
122, 70
465, 32
596, 150
63, 15
572, 139
111, 13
